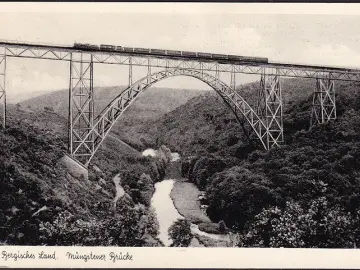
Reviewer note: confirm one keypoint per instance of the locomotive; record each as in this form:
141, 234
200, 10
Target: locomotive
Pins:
197, 55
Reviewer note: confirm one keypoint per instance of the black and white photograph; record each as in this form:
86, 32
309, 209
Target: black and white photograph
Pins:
194, 125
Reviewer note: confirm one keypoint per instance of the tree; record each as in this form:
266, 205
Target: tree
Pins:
180, 233
317, 226
221, 226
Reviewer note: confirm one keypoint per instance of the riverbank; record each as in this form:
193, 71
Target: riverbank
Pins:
184, 195
176, 198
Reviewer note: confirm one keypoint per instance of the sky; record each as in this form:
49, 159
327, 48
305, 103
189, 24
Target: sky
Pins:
306, 34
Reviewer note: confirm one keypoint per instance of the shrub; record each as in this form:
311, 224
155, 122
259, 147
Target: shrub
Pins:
180, 233
221, 226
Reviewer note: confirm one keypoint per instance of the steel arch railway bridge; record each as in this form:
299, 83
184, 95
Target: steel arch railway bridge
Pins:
87, 131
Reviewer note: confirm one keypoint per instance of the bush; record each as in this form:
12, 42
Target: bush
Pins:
180, 233
127, 228
221, 226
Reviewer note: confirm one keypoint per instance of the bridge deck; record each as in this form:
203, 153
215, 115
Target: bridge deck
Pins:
63, 53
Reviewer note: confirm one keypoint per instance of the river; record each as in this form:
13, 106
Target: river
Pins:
165, 210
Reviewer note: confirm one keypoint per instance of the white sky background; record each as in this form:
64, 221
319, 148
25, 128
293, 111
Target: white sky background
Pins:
324, 39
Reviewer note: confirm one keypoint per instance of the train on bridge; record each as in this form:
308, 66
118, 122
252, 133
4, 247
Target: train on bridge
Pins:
172, 53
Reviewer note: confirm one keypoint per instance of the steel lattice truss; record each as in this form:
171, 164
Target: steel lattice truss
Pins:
81, 107
324, 106
107, 118
118, 58
270, 108
86, 132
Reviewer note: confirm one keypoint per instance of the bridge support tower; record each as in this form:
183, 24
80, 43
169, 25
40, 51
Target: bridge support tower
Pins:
81, 107
323, 106
2, 87
270, 109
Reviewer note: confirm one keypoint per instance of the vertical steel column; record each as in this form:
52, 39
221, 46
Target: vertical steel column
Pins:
217, 72
233, 79
2, 87
261, 99
130, 72
81, 107
149, 71
271, 111
324, 105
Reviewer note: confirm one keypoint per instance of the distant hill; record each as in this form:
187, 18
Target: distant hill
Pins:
206, 124
22, 96
152, 104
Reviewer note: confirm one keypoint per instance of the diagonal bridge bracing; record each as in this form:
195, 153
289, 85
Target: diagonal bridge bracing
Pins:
324, 105
87, 132
81, 106
270, 109
107, 118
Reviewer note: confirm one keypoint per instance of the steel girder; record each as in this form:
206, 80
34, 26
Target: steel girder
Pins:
38, 53
107, 118
2, 87
269, 108
81, 107
324, 105
276, 69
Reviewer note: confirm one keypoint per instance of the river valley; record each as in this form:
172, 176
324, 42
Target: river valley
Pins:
177, 198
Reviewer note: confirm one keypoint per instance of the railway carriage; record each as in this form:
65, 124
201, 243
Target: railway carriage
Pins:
104, 47
188, 54
173, 53
127, 49
220, 56
235, 57
157, 51
141, 50
200, 55
258, 59
85, 46
204, 55
94, 47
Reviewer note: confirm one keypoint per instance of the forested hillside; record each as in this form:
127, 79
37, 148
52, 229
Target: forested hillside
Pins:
42, 204
152, 104
304, 194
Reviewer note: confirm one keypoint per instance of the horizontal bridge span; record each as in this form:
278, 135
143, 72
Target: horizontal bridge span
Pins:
66, 53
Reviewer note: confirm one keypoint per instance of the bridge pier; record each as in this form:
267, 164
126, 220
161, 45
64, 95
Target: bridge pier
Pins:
269, 108
81, 107
2, 87
323, 106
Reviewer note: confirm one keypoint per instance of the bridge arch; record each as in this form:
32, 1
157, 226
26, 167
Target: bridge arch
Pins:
112, 112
